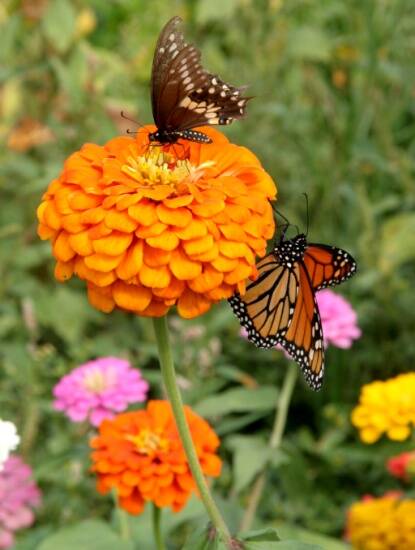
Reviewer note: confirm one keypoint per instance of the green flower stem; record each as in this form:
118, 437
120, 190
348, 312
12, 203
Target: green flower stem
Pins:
283, 403
173, 392
123, 520
157, 528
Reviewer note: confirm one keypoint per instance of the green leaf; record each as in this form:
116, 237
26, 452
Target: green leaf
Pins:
268, 539
87, 535
282, 545
397, 244
238, 400
204, 539
59, 24
250, 456
268, 534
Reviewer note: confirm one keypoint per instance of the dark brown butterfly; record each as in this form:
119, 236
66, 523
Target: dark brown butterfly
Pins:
184, 95
280, 306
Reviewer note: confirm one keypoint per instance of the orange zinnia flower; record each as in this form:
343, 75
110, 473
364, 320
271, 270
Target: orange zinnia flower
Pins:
140, 454
149, 228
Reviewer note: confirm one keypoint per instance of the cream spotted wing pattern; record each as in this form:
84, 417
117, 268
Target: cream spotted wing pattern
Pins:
184, 95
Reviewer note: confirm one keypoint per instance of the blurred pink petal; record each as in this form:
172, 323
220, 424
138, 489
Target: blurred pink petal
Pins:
18, 495
97, 389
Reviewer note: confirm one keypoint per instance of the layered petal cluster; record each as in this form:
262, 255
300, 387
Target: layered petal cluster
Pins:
141, 456
338, 318
152, 227
386, 407
98, 389
18, 496
9, 440
386, 523
402, 466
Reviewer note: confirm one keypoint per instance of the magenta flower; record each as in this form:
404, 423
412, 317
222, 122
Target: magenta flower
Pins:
98, 389
18, 495
338, 318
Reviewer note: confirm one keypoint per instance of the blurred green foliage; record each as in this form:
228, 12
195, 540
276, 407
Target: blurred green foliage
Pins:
334, 116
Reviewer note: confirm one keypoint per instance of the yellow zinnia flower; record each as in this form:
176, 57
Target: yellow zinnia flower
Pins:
386, 523
386, 407
152, 227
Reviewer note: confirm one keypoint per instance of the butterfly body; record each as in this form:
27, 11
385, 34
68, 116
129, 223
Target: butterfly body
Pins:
184, 95
172, 136
280, 307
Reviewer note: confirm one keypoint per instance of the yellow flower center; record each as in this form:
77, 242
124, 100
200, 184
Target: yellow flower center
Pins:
157, 167
148, 442
97, 381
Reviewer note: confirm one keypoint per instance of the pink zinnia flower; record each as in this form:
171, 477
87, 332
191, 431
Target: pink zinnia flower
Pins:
402, 465
18, 495
98, 389
338, 318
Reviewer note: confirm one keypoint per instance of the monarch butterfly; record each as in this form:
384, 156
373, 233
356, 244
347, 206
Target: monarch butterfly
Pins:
184, 95
280, 306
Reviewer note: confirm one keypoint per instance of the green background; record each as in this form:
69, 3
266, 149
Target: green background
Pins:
333, 116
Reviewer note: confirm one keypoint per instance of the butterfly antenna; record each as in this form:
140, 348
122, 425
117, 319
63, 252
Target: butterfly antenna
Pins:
129, 132
307, 213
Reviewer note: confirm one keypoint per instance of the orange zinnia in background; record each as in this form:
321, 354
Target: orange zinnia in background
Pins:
152, 227
140, 455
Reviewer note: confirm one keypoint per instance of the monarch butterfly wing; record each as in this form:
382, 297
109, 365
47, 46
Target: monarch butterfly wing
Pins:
184, 94
304, 338
266, 308
328, 265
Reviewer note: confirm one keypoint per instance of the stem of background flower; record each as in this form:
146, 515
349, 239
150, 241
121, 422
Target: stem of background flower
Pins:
283, 403
173, 392
124, 524
157, 528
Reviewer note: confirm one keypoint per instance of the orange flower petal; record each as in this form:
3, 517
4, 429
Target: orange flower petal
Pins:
180, 217
81, 243
155, 257
198, 246
131, 262
103, 262
113, 245
194, 230
176, 202
154, 277
100, 299
155, 309
208, 209
166, 241
92, 215
207, 280
131, 297
120, 221
64, 270
191, 305
222, 263
171, 292
99, 278
240, 273
82, 201
182, 267
151, 231
144, 213
62, 249
72, 223
207, 256
233, 232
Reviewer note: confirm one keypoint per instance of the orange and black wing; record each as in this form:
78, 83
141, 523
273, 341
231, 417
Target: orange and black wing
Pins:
267, 307
328, 265
304, 338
